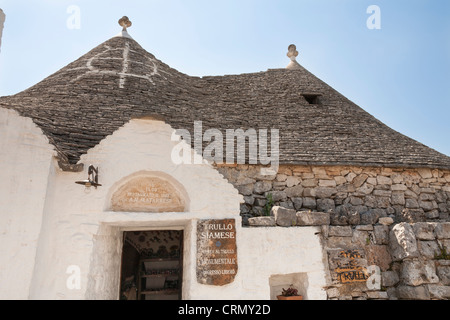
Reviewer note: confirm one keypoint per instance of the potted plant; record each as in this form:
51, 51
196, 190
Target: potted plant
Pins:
290, 294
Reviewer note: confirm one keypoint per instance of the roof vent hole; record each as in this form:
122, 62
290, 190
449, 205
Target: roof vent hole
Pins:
311, 98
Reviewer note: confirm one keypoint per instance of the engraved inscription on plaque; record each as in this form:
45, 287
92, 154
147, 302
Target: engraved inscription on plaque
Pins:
216, 252
147, 194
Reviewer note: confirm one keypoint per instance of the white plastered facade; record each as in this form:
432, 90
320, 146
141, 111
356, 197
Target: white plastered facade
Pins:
49, 224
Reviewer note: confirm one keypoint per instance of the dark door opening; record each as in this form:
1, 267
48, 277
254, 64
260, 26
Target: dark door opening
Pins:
152, 265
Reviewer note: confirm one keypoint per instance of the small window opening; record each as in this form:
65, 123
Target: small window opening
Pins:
311, 98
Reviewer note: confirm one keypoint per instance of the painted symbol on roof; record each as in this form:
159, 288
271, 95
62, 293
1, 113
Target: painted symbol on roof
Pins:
146, 68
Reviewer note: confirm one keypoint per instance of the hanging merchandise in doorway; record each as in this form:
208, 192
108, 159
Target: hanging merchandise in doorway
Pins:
152, 265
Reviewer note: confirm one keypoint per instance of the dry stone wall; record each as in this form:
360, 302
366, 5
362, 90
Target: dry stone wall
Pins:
385, 232
352, 195
376, 261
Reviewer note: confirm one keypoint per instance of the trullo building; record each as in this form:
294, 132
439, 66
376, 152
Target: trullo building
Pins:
102, 199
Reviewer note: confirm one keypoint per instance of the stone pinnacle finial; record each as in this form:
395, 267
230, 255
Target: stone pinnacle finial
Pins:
293, 54
125, 23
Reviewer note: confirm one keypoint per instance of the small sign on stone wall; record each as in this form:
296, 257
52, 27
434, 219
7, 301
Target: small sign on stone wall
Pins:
147, 194
349, 266
217, 263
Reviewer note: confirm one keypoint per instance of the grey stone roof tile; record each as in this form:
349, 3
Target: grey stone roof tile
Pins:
95, 95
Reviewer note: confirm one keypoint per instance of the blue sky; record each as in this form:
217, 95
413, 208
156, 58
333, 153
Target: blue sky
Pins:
400, 73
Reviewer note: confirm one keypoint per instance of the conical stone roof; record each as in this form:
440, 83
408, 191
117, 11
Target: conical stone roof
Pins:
94, 96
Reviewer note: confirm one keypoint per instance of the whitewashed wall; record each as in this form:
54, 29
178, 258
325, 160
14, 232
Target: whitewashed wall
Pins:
78, 230
25, 160
280, 253
2, 22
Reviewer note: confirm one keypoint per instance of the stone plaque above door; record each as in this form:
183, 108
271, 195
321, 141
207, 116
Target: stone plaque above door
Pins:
148, 194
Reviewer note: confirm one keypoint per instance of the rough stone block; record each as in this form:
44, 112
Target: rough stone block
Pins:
433, 214
246, 189
327, 183
356, 201
333, 293
402, 242
428, 190
250, 200
381, 234
350, 177
359, 180
309, 183
427, 197
340, 231
411, 195
292, 181
287, 204
439, 292
325, 205
411, 215
262, 186
425, 173
262, 222
398, 198
340, 180
346, 188
306, 218
339, 242
378, 255
441, 196
309, 203
389, 278
416, 272
346, 214
392, 293
383, 202
442, 230
424, 230
260, 202
277, 195
325, 192
386, 221
284, 217
411, 203
298, 202
372, 181
399, 187
365, 189
309, 193
370, 201
361, 238
377, 295
372, 216
294, 192
382, 193
413, 293
364, 227
384, 180
428, 249
443, 273
428, 205
258, 211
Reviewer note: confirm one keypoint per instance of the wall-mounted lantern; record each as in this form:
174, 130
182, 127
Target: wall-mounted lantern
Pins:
92, 180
